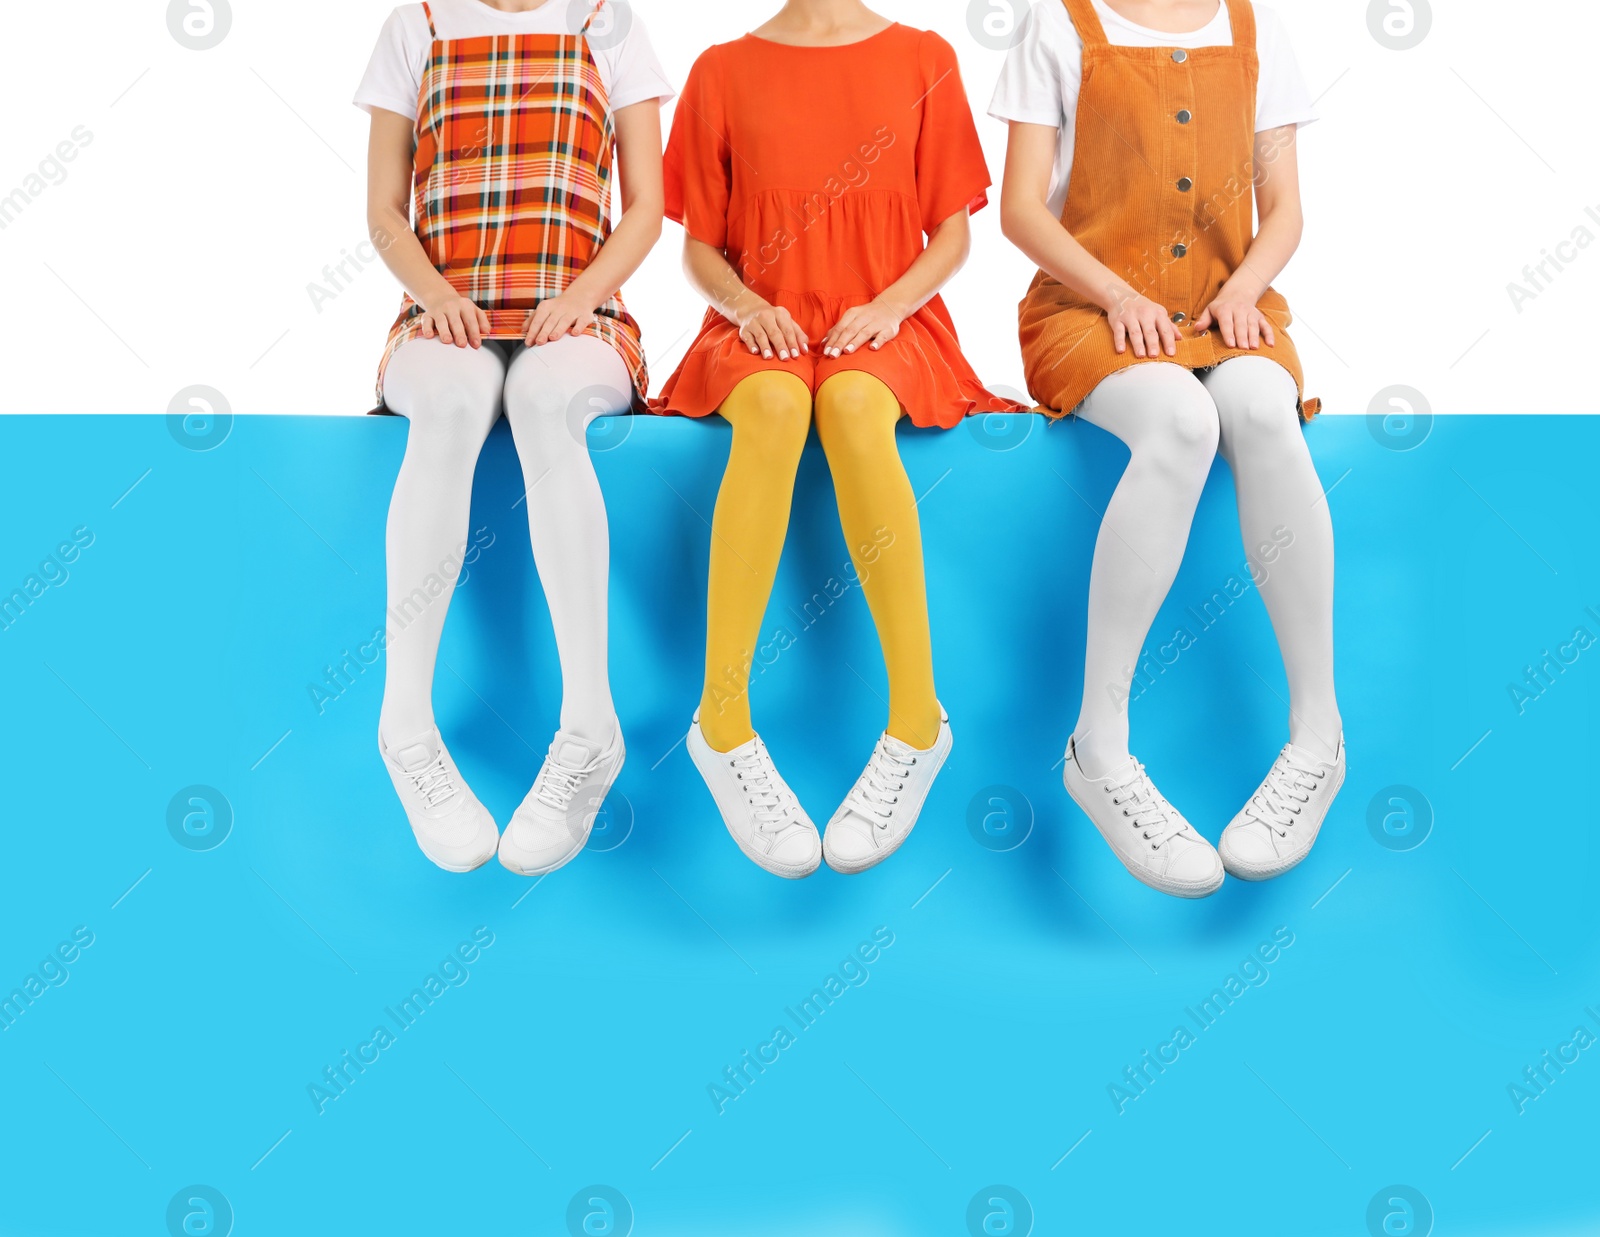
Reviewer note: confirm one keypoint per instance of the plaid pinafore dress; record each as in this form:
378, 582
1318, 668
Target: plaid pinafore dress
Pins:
512, 177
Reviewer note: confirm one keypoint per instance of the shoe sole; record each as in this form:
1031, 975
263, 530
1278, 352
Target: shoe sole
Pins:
514, 869
455, 867
1170, 888
1246, 873
786, 871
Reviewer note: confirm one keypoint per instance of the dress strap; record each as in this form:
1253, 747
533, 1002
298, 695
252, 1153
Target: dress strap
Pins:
1242, 17
427, 12
1086, 20
596, 13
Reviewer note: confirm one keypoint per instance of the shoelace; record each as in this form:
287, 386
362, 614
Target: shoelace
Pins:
881, 783
559, 782
1280, 799
755, 773
433, 783
1150, 813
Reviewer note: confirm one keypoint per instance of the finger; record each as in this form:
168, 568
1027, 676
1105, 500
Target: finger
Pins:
470, 326
758, 336
1255, 332
1119, 336
1152, 335
1267, 332
551, 328
442, 322
427, 326
483, 320
530, 332
883, 335
583, 323
1225, 325
799, 345
857, 335
1204, 321
1169, 336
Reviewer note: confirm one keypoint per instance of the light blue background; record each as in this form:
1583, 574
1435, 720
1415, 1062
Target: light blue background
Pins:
181, 651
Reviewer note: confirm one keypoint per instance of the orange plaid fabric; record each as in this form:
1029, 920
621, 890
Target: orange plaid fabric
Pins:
515, 147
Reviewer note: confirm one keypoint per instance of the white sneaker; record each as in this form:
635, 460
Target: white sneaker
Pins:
452, 827
555, 819
1275, 830
1147, 833
882, 807
757, 806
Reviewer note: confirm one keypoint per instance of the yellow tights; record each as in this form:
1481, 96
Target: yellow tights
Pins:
771, 414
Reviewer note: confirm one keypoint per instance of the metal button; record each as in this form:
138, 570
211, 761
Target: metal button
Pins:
1180, 55
1185, 116
1179, 250
1185, 184
1179, 318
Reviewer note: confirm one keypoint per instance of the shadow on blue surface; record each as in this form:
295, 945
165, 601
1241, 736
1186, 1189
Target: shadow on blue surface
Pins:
998, 1004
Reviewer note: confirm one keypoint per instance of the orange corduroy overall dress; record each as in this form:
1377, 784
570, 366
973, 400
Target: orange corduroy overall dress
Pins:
1162, 191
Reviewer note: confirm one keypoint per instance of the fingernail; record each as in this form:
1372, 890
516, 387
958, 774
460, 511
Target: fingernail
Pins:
767, 355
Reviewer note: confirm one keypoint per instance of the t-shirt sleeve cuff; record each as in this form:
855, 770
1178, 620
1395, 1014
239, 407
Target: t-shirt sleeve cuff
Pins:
367, 101
1007, 113
1299, 120
661, 92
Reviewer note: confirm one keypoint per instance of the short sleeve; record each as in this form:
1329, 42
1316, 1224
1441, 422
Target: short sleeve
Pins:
1039, 80
636, 72
1282, 97
951, 172
697, 174
393, 80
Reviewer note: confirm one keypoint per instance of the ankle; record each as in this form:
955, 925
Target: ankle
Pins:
919, 731
722, 731
398, 729
1320, 736
1098, 755
599, 728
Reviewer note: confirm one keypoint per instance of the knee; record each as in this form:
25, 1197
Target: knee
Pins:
450, 413
1259, 410
451, 425
1183, 438
856, 415
773, 418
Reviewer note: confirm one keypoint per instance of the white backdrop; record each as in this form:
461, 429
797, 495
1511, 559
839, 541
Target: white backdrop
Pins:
207, 189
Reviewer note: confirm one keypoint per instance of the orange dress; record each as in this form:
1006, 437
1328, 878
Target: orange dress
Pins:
818, 170
1163, 193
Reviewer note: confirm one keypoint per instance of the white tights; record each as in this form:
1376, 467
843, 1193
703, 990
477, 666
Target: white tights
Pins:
1174, 422
452, 396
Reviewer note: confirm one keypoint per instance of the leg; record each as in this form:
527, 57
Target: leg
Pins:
451, 396
771, 414
1164, 415
856, 416
1282, 512
552, 393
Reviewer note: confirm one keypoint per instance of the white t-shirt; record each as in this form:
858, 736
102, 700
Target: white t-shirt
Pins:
1040, 79
627, 63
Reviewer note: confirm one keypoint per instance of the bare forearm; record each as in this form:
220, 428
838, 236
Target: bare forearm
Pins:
1268, 254
405, 257
625, 250
711, 275
934, 267
1029, 225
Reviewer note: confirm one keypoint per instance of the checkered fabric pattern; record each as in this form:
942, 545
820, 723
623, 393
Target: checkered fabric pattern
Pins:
515, 148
